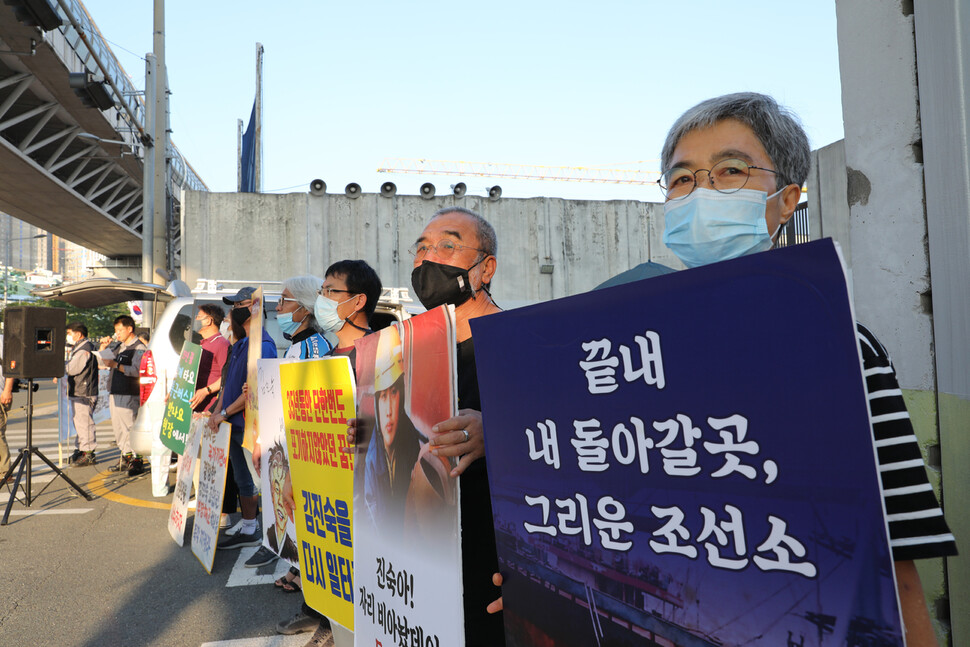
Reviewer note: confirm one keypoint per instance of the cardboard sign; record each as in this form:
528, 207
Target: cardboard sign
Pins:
183, 479
279, 530
406, 512
208, 498
252, 368
312, 481
178, 411
692, 464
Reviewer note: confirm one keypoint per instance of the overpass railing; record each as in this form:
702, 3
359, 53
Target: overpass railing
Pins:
81, 33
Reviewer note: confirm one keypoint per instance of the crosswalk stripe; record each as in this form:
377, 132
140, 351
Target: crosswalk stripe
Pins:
243, 576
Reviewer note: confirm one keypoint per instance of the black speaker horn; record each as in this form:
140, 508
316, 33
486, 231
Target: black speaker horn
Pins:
495, 193
459, 189
388, 190
352, 191
318, 187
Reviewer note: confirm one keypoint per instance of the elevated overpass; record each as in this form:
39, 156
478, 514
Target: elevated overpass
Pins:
71, 158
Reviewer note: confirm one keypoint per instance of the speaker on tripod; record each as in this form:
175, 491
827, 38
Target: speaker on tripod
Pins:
33, 347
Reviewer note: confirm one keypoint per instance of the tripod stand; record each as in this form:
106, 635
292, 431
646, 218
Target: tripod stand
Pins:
24, 460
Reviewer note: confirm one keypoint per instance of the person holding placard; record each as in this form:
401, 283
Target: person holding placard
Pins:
343, 308
230, 409
732, 171
454, 263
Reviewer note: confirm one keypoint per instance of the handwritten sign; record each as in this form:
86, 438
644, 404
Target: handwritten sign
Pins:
183, 479
178, 411
316, 480
701, 464
208, 498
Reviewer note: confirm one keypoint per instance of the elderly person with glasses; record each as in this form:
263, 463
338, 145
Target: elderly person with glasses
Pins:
295, 316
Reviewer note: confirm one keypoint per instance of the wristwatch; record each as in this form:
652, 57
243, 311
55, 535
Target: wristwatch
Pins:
224, 414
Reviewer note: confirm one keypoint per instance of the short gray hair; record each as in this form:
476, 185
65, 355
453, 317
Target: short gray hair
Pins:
487, 241
304, 289
776, 127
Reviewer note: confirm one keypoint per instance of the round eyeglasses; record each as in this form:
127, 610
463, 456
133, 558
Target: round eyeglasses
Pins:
727, 176
445, 249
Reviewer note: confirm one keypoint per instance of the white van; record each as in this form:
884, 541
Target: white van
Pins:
175, 307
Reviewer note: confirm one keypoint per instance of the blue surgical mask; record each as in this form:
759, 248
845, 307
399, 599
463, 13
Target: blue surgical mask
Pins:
708, 226
287, 325
325, 312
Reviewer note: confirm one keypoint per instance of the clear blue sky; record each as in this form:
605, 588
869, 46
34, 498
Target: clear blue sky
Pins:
347, 84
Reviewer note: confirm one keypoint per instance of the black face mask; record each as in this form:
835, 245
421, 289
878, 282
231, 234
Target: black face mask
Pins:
240, 315
437, 284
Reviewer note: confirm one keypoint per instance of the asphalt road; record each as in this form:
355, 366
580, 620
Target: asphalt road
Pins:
106, 572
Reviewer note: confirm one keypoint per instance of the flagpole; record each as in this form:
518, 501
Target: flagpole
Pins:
258, 133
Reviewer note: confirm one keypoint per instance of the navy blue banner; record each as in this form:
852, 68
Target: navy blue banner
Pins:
248, 155
688, 460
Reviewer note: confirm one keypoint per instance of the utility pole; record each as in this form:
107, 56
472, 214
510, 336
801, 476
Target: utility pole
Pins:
159, 231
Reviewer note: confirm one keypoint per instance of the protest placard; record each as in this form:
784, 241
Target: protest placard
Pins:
178, 411
279, 532
208, 498
406, 515
184, 473
255, 350
312, 481
688, 460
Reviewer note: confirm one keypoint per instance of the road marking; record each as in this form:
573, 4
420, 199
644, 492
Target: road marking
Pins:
297, 640
98, 488
30, 513
241, 575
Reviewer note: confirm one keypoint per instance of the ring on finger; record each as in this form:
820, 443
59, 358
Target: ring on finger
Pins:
464, 431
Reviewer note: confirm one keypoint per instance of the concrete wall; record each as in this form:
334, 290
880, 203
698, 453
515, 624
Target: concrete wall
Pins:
942, 30
889, 212
271, 237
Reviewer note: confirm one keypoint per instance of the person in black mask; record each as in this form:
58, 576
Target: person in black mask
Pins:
231, 409
454, 262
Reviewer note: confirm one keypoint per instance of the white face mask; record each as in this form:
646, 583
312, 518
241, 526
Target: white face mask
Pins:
709, 226
70, 340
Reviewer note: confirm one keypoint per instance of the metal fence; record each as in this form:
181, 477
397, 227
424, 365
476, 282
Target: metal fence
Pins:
797, 230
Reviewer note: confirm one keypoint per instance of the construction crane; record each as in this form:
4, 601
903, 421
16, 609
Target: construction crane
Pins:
594, 174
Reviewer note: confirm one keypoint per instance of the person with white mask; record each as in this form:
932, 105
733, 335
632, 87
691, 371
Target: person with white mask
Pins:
732, 171
342, 308
82, 391
294, 314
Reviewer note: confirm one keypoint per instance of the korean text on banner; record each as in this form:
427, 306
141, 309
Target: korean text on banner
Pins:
255, 354
406, 511
208, 499
183, 479
276, 494
318, 399
697, 461
178, 411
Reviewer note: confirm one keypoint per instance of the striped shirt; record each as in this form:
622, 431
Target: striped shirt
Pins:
917, 528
